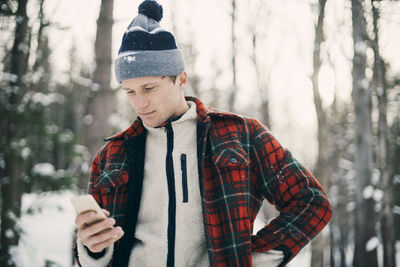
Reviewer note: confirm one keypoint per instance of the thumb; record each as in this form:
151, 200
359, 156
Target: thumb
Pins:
106, 212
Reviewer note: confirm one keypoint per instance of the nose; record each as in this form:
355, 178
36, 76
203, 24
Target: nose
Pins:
141, 102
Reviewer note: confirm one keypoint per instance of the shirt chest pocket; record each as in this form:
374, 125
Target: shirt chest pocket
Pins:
113, 186
110, 179
231, 156
228, 152
232, 165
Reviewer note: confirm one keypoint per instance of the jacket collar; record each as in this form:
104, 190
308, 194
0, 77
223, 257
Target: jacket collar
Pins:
204, 114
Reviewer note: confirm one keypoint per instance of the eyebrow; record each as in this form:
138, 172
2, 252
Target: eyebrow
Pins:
142, 86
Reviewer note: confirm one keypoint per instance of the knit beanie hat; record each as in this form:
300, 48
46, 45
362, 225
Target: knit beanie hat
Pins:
147, 49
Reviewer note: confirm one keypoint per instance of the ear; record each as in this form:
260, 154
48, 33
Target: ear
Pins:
182, 79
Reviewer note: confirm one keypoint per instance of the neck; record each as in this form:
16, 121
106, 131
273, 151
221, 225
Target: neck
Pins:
177, 115
183, 107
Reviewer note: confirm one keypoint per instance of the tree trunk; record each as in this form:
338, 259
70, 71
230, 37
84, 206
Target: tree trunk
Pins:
233, 90
213, 90
101, 101
364, 213
321, 169
340, 224
379, 85
42, 46
262, 88
10, 182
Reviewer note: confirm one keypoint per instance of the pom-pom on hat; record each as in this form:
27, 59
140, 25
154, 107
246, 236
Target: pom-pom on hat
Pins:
147, 49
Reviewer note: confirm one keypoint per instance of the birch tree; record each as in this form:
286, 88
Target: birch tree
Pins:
321, 170
394, 159
263, 75
365, 253
380, 88
10, 128
32, 124
101, 99
234, 88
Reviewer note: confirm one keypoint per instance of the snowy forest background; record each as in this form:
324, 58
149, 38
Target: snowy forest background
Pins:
323, 75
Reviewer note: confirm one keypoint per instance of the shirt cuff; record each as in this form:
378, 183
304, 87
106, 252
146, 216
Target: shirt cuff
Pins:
86, 260
271, 258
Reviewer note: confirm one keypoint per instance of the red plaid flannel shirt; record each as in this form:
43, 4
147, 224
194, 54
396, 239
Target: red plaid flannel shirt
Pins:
240, 165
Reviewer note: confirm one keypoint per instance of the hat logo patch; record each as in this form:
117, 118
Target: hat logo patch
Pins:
130, 58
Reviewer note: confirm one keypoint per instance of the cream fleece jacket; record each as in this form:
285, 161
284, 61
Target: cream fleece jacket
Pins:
151, 246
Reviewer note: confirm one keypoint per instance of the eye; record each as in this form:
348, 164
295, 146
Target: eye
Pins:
148, 88
130, 92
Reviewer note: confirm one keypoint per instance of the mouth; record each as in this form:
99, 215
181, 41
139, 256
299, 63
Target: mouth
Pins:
146, 113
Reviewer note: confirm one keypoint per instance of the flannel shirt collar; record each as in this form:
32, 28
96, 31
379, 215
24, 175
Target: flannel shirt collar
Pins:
203, 115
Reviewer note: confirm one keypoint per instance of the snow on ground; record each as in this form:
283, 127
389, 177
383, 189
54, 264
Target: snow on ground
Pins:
47, 234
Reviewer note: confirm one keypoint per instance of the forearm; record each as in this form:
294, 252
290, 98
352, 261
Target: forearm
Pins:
304, 209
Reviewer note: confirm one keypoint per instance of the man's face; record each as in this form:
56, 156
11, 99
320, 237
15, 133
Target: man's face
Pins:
155, 98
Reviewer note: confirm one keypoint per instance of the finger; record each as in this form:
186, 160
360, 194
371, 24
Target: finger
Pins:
114, 233
99, 242
96, 228
106, 212
84, 218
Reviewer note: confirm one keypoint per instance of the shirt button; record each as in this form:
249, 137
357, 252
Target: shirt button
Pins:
233, 160
108, 190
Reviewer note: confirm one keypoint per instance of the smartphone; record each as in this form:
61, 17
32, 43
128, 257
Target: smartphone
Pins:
88, 203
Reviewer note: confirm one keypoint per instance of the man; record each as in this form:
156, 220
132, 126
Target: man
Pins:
184, 183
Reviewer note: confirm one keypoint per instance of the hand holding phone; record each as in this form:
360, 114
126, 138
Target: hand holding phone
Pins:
88, 203
95, 230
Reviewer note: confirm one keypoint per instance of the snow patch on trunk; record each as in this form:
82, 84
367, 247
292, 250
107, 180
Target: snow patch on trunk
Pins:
372, 243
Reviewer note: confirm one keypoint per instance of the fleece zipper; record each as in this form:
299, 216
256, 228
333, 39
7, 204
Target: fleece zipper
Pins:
172, 196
